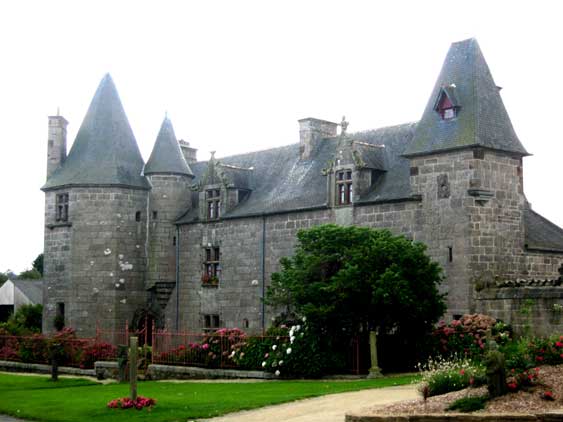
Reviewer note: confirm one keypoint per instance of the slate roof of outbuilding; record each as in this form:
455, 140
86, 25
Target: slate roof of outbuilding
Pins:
481, 120
32, 289
105, 152
166, 156
542, 234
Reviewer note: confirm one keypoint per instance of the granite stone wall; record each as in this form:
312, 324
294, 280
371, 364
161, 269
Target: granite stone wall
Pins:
169, 197
528, 309
96, 261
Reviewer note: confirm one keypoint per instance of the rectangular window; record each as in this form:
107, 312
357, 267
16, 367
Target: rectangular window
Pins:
344, 191
213, 197
61, 204
211, 321
449, 113
211, 267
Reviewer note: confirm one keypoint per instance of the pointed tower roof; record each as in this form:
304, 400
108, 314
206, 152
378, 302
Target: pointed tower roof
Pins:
166, 155
105, 152
481, 119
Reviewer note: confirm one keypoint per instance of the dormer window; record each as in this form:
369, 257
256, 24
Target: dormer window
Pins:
447, 106
344, 192
213, 197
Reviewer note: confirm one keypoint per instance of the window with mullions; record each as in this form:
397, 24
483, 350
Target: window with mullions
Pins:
211, 321
344, 193
213, 197
61, 213
211, 266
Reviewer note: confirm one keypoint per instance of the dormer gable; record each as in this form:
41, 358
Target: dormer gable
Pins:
222, 188
447, 104
354, 170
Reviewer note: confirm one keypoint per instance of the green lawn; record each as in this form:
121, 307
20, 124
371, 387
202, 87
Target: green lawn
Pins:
36, 397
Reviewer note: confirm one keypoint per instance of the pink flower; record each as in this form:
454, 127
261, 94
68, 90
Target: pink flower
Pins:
205, 346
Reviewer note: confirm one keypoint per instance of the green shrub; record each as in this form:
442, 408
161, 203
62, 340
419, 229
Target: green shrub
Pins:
441, 376
33, 349
528, 353
26, 321
468, 404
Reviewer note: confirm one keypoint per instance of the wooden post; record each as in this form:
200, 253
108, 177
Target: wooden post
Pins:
133, 367
374, 371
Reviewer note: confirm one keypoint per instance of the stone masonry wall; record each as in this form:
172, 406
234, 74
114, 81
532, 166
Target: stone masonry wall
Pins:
99, 258
527, 309
237, 298
442, 221
170, 196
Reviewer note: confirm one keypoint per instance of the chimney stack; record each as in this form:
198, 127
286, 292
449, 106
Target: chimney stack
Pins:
190, 154
56, 147
311, 132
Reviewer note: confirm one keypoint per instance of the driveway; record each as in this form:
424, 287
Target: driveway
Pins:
331, 408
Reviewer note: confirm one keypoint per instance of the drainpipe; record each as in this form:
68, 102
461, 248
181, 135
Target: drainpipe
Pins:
177, 278
263, 265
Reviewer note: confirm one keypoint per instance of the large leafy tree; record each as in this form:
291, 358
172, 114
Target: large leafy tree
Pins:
38, 264
350, 279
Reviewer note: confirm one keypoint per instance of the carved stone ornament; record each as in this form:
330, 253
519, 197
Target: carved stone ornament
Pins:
443, 186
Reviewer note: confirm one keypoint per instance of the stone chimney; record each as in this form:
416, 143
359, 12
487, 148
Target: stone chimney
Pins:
311, 132
190, 154
56, 147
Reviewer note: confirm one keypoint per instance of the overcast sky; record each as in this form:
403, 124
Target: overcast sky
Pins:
235, 76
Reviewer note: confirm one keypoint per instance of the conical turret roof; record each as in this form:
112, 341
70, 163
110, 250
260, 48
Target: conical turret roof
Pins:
166, 155
481, 118
105, 152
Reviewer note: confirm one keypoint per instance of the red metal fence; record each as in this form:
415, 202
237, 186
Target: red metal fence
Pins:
218, 349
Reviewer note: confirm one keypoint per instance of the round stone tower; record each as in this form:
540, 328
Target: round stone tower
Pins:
170, 177
95, 223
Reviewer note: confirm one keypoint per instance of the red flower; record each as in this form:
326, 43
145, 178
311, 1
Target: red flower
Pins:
539, 358
558, 344
462, 372
548, 395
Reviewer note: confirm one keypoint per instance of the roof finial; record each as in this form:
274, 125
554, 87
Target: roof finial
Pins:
166, 114
212, 154
58, 111
343, 126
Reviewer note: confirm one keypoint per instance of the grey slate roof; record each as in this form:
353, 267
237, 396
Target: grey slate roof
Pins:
283, 182
105, 151
166, 156
542, 234
32, 289
481, 120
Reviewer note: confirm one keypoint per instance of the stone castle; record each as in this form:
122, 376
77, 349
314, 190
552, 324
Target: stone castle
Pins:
192, 244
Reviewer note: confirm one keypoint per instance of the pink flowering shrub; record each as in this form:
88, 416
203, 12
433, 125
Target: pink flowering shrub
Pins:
467, 335
126, 403
210, 351
95, 352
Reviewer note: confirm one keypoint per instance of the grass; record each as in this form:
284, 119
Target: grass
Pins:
38, 398
469, 404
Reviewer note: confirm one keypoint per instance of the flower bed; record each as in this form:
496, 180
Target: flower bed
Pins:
126, 403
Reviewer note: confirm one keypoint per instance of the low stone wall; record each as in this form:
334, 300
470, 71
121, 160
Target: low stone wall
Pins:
537, 309
106, 369
9, 366
460, 417
158, 372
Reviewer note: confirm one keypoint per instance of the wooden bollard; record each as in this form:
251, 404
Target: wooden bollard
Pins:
133, 367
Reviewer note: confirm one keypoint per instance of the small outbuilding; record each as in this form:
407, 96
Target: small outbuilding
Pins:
15, 293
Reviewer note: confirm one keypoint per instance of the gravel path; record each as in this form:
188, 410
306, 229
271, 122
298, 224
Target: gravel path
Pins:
331, 408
